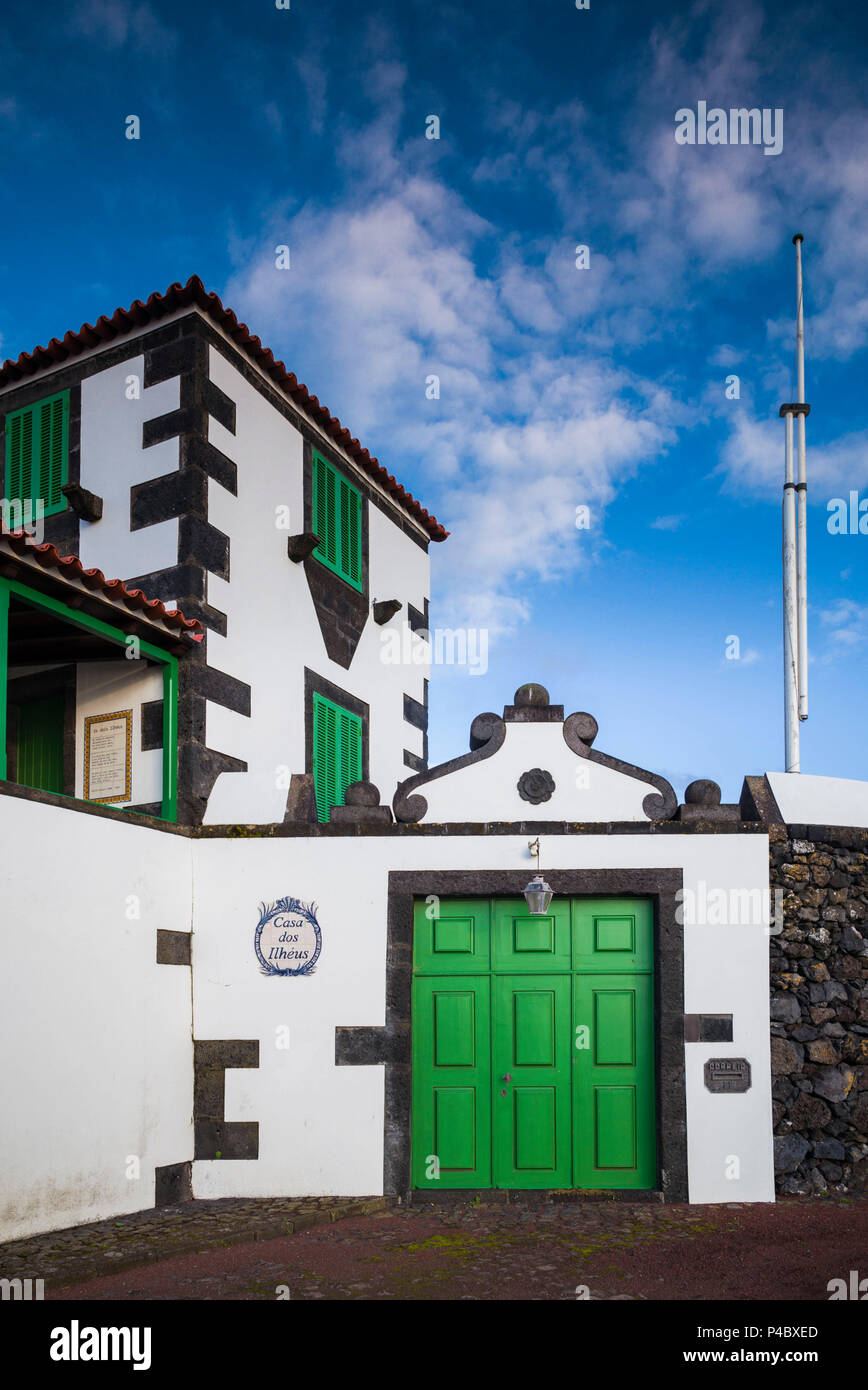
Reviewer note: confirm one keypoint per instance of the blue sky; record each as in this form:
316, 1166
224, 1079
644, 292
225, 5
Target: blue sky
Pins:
559, 387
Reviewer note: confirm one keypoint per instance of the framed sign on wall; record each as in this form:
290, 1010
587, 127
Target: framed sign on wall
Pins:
108, 756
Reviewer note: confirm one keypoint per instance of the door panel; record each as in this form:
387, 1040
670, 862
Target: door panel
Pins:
531, 1081
451, 1115
612, 934
521, 941
613, 1139
452, 936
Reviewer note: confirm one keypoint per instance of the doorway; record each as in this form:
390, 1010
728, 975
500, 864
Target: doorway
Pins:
40, 743
533, 1044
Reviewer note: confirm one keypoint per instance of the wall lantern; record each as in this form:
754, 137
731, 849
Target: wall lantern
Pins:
537, 894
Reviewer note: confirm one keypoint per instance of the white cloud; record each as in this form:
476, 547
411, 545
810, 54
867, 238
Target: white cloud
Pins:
401, 280
752, 460
668, 523
846, 624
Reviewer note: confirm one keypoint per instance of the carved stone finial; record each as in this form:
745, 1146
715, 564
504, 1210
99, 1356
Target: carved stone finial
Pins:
361, 807
362, 794
483, 728
534, 696
702, 793
582, 726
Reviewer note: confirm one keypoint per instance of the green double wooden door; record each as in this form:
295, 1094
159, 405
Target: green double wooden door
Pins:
533, 1044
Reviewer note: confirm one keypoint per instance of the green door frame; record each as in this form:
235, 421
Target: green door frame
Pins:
169, 663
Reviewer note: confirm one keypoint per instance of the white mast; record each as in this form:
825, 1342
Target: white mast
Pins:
795, 554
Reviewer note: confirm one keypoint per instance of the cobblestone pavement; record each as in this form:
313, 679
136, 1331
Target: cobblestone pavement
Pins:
83, 1252
524, 1249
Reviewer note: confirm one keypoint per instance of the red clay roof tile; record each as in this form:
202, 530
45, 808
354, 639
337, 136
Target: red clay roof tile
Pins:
50, 558
178, 296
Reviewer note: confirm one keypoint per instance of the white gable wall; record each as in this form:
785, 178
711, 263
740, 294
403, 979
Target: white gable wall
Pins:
272, 626
113, 460
487, 790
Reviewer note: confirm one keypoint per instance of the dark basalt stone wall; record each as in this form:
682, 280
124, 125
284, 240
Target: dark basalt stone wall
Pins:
819, 1009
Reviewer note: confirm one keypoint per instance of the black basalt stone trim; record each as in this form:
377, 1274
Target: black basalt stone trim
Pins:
168, 497
200, 543
209, 617
301, 800
533, 714
418, 621
171, 359
214, 1135
184, 420
221, 689
370, 1047
178, 583
152, 724
579, 733
758, 802
147, 808
708, 1028
172, 1184
723, 811
173, 947
342, 611
218, 404
414, 762
390, 1046
415, 713
207, 457
315, 684
198, 770
487, 733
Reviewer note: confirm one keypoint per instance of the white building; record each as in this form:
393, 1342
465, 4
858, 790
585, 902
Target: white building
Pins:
220, 825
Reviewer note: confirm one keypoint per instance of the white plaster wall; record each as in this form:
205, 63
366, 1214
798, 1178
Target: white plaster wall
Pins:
113, 460
321, 1126
807, 800
488, 790
104, 687
94, 1035
272, 628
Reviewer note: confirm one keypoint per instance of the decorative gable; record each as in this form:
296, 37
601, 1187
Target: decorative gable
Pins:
533, 764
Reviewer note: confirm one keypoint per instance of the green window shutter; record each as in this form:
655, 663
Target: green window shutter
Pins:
337, 521
37, 453
337, 753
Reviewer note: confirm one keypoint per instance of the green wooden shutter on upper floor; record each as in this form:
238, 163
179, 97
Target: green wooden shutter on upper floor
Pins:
37, 454
337, 753
337, 521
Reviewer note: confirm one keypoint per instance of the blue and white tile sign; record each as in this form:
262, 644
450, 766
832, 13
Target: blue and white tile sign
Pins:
288, 939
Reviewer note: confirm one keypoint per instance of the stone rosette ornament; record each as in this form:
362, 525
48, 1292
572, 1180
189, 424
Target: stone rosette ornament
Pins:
536, 785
